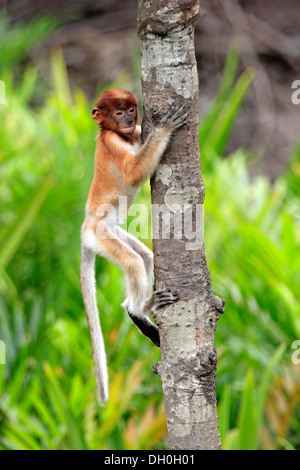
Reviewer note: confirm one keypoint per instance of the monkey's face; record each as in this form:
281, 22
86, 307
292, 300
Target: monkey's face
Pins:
125, 119
116, 110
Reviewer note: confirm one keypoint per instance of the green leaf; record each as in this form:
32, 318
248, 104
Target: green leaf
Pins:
248, 418
224, 122
266, 379
224, 412
14, 236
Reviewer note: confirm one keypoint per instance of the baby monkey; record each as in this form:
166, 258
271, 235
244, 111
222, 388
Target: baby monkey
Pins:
122, 164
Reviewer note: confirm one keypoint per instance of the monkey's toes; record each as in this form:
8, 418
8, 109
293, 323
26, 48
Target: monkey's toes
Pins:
164, 297
165, 293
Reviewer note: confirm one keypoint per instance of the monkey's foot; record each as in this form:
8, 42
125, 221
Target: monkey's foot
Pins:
160, 299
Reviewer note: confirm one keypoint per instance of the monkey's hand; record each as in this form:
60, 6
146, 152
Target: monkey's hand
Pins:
175, 118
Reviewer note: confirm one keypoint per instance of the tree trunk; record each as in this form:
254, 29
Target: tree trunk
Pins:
187, 328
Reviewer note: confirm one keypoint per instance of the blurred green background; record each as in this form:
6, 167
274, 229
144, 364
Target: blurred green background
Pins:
47, 391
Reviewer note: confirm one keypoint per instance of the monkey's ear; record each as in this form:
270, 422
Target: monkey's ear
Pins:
96, 115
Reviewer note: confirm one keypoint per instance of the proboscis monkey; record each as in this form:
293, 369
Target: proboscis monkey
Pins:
122, 164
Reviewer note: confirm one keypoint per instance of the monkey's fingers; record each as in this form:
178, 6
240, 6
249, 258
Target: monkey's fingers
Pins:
173, 112
180, 121
170, 112
178, 118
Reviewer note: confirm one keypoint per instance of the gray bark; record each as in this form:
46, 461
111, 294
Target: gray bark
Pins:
187, 328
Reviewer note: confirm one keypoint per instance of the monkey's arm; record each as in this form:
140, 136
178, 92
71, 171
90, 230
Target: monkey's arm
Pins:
137, 168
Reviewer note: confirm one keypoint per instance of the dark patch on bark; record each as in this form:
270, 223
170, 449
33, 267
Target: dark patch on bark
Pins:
186, 13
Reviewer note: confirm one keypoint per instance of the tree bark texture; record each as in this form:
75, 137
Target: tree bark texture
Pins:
187, 328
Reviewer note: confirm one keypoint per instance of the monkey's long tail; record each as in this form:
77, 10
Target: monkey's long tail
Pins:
88, 289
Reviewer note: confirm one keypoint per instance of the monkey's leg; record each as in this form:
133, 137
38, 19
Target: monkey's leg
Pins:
143, 251
158, 299
120, 252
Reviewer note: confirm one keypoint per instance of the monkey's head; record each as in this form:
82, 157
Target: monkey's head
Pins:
116, 110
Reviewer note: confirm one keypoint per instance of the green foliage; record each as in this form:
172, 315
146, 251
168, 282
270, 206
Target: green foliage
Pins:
215, 128
47, 390
246, 435
16, 43
293, 171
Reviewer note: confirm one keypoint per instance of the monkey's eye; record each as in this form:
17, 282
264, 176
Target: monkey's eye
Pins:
119, 113
131, 110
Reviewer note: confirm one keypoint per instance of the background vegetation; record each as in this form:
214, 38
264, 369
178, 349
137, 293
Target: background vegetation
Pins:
47, 392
